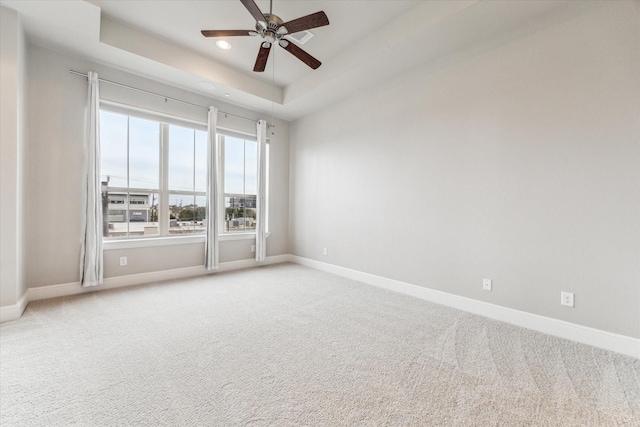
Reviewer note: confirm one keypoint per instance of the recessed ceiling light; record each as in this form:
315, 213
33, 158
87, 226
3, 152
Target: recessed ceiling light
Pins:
227, 95
207, 85
223, 44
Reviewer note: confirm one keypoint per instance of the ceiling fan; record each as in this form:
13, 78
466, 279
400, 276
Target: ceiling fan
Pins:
271, 28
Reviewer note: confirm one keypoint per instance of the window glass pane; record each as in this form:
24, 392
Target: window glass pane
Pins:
187, 214
181, 158
233, 165
113, 156
250, 167
201, 161
240, 213
131, 214
144, 153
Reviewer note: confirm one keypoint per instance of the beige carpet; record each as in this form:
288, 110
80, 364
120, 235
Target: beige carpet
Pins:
289, 346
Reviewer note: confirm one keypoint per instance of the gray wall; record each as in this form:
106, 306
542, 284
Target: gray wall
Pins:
56, 120
519, 163
13, 157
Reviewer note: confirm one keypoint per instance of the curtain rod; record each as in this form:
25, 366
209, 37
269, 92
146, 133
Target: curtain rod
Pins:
166, 97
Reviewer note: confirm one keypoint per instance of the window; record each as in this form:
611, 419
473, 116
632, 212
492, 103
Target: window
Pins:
240, 183
154, 177
138, 199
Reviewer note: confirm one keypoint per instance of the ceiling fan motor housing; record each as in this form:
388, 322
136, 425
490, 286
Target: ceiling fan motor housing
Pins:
271, 29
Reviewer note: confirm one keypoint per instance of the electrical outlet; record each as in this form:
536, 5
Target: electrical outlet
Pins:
566, 298
486, 284
123, 261
325, 252
253, 248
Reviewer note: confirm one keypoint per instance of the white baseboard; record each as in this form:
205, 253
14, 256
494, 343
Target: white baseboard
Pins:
14, 312
250, 263
559, 328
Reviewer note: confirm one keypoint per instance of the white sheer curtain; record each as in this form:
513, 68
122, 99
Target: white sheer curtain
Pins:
261, 202
91, 268
211, 244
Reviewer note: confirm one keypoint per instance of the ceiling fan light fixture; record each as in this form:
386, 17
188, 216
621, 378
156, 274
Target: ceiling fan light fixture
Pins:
270, 36
283, 30
284, 43
223, 44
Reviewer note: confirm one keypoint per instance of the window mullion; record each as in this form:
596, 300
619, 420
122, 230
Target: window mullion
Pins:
195, 204
127, 211
163, 214
266, 213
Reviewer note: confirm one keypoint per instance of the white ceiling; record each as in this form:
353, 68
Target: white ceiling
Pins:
365, 43
181, 22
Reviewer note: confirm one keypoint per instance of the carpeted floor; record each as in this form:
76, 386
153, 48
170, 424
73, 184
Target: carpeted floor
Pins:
285, 345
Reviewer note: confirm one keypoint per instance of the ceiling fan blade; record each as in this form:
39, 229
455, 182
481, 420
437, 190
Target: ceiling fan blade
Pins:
300, 54
253, 9
227, 33
318, 19
263, 55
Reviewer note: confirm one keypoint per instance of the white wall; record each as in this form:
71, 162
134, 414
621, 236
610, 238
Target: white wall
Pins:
520, 164
13, 155
56, 121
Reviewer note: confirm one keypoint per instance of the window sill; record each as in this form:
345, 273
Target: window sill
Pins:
237, 236
170, 241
